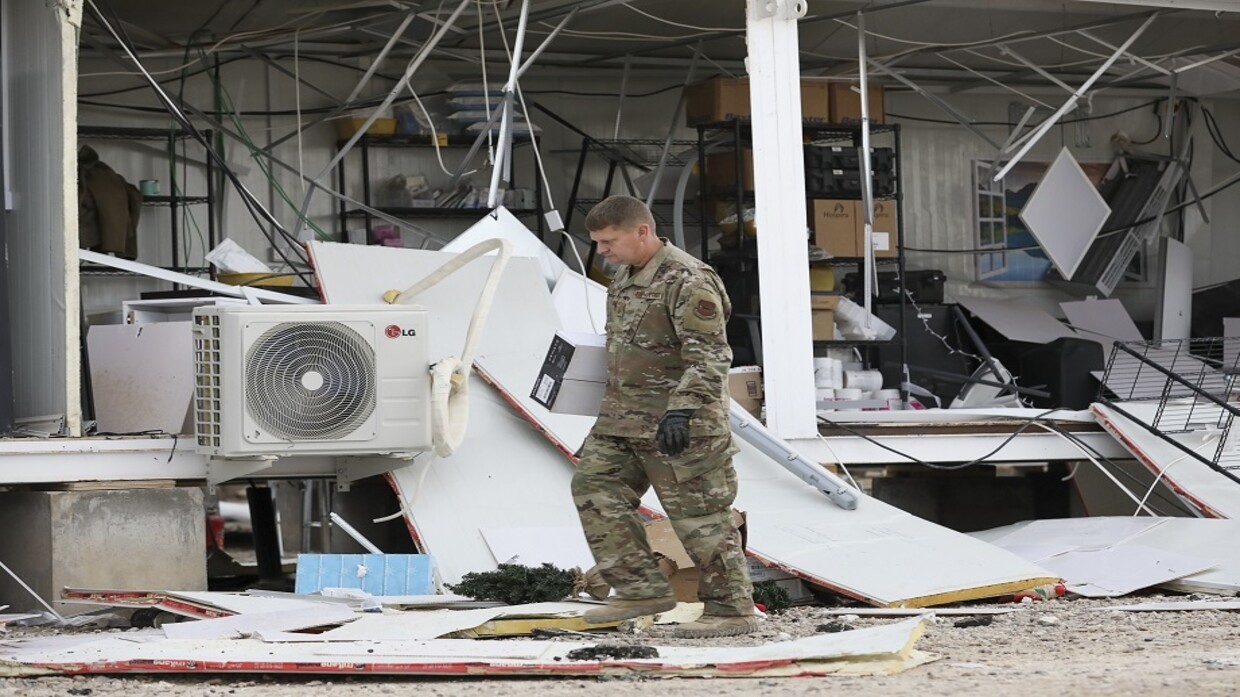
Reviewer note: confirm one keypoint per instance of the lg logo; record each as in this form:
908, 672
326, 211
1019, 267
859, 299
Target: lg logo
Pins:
394, 331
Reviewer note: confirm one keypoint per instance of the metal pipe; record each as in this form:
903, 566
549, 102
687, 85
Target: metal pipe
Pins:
503, 153
30, 590
543, 46
750, 430
357, 89
496, 113
867, 192
988, 359
1009, 51
387, 102
303, 176
1001, 84
741, 32
352, 532
671, 133
1152, 66
936, 100
624, 86
1071, 103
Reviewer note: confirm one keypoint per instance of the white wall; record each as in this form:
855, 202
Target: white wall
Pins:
1216, 246
39, 49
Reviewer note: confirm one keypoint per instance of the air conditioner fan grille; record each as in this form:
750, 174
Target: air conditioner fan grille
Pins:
310, 381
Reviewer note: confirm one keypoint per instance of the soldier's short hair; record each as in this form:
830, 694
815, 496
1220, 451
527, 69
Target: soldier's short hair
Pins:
619, 211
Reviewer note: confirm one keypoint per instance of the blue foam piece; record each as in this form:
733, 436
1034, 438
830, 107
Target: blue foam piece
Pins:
385, 574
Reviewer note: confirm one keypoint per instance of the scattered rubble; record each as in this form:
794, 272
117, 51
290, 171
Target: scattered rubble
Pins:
612, 652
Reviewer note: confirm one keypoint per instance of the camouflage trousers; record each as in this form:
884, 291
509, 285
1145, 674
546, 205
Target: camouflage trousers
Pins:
696, 489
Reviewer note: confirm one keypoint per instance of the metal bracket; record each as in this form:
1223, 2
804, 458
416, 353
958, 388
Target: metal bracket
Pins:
220, 470
351, 469
788, 10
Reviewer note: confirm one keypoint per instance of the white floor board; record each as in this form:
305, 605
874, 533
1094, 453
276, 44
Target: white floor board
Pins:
1210, 541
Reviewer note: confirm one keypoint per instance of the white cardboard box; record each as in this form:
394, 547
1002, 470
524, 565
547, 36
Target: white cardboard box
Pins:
574, 374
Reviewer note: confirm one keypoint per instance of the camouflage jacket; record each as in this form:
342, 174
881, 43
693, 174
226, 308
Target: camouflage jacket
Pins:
667, 347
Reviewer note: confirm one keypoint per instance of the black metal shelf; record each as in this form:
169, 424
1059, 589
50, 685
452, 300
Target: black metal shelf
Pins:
86, 269
366, 142
663, 210
429, 212
749, 251
827, 131
171, 202
174, 200
125, 133
646, 153
854, 261
743, 258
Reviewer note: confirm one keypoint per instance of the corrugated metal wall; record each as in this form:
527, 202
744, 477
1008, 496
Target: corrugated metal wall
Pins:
40, 52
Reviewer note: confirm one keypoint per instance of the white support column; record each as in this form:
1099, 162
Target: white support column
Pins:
780, 215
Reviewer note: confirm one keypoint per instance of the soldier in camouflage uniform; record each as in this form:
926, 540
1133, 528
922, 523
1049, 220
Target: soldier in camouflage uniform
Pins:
663, 423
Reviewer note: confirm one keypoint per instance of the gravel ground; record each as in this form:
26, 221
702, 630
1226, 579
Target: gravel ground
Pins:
1060, 647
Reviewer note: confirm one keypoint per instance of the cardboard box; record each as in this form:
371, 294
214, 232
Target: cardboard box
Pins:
822, 316
745, 386
886, 229
721, 171
840, 229
845, 103
798, 591
574, 374
835, 223
723, 99
675, 562
759, 572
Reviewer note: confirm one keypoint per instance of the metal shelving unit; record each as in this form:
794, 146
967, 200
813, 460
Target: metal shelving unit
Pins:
173, 202
621, 155
363, 146
744, 254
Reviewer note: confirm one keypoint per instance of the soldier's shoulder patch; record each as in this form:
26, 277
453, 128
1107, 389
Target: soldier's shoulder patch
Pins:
706, 309
703, 311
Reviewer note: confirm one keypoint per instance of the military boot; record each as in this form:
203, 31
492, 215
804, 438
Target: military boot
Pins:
715, 626
618, 609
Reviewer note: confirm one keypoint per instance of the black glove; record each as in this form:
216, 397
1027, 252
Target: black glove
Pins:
673, 435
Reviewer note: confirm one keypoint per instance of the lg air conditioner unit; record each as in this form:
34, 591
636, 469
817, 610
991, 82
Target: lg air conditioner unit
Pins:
282, 380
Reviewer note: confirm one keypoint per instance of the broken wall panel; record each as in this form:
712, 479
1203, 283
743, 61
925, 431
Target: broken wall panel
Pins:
509, 469
876, 650
1204, 489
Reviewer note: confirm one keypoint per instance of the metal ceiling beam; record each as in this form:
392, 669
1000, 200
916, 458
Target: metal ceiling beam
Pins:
1226, 50
937, 101
1069, 105
550, 13
357, 89
1009, 51
713, 36
1097, 24
1000, 83
387, 102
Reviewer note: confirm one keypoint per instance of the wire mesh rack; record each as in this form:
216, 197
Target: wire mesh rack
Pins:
1184, 387
646, 153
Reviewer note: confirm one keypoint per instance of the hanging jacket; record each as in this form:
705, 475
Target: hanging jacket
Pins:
108, 208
